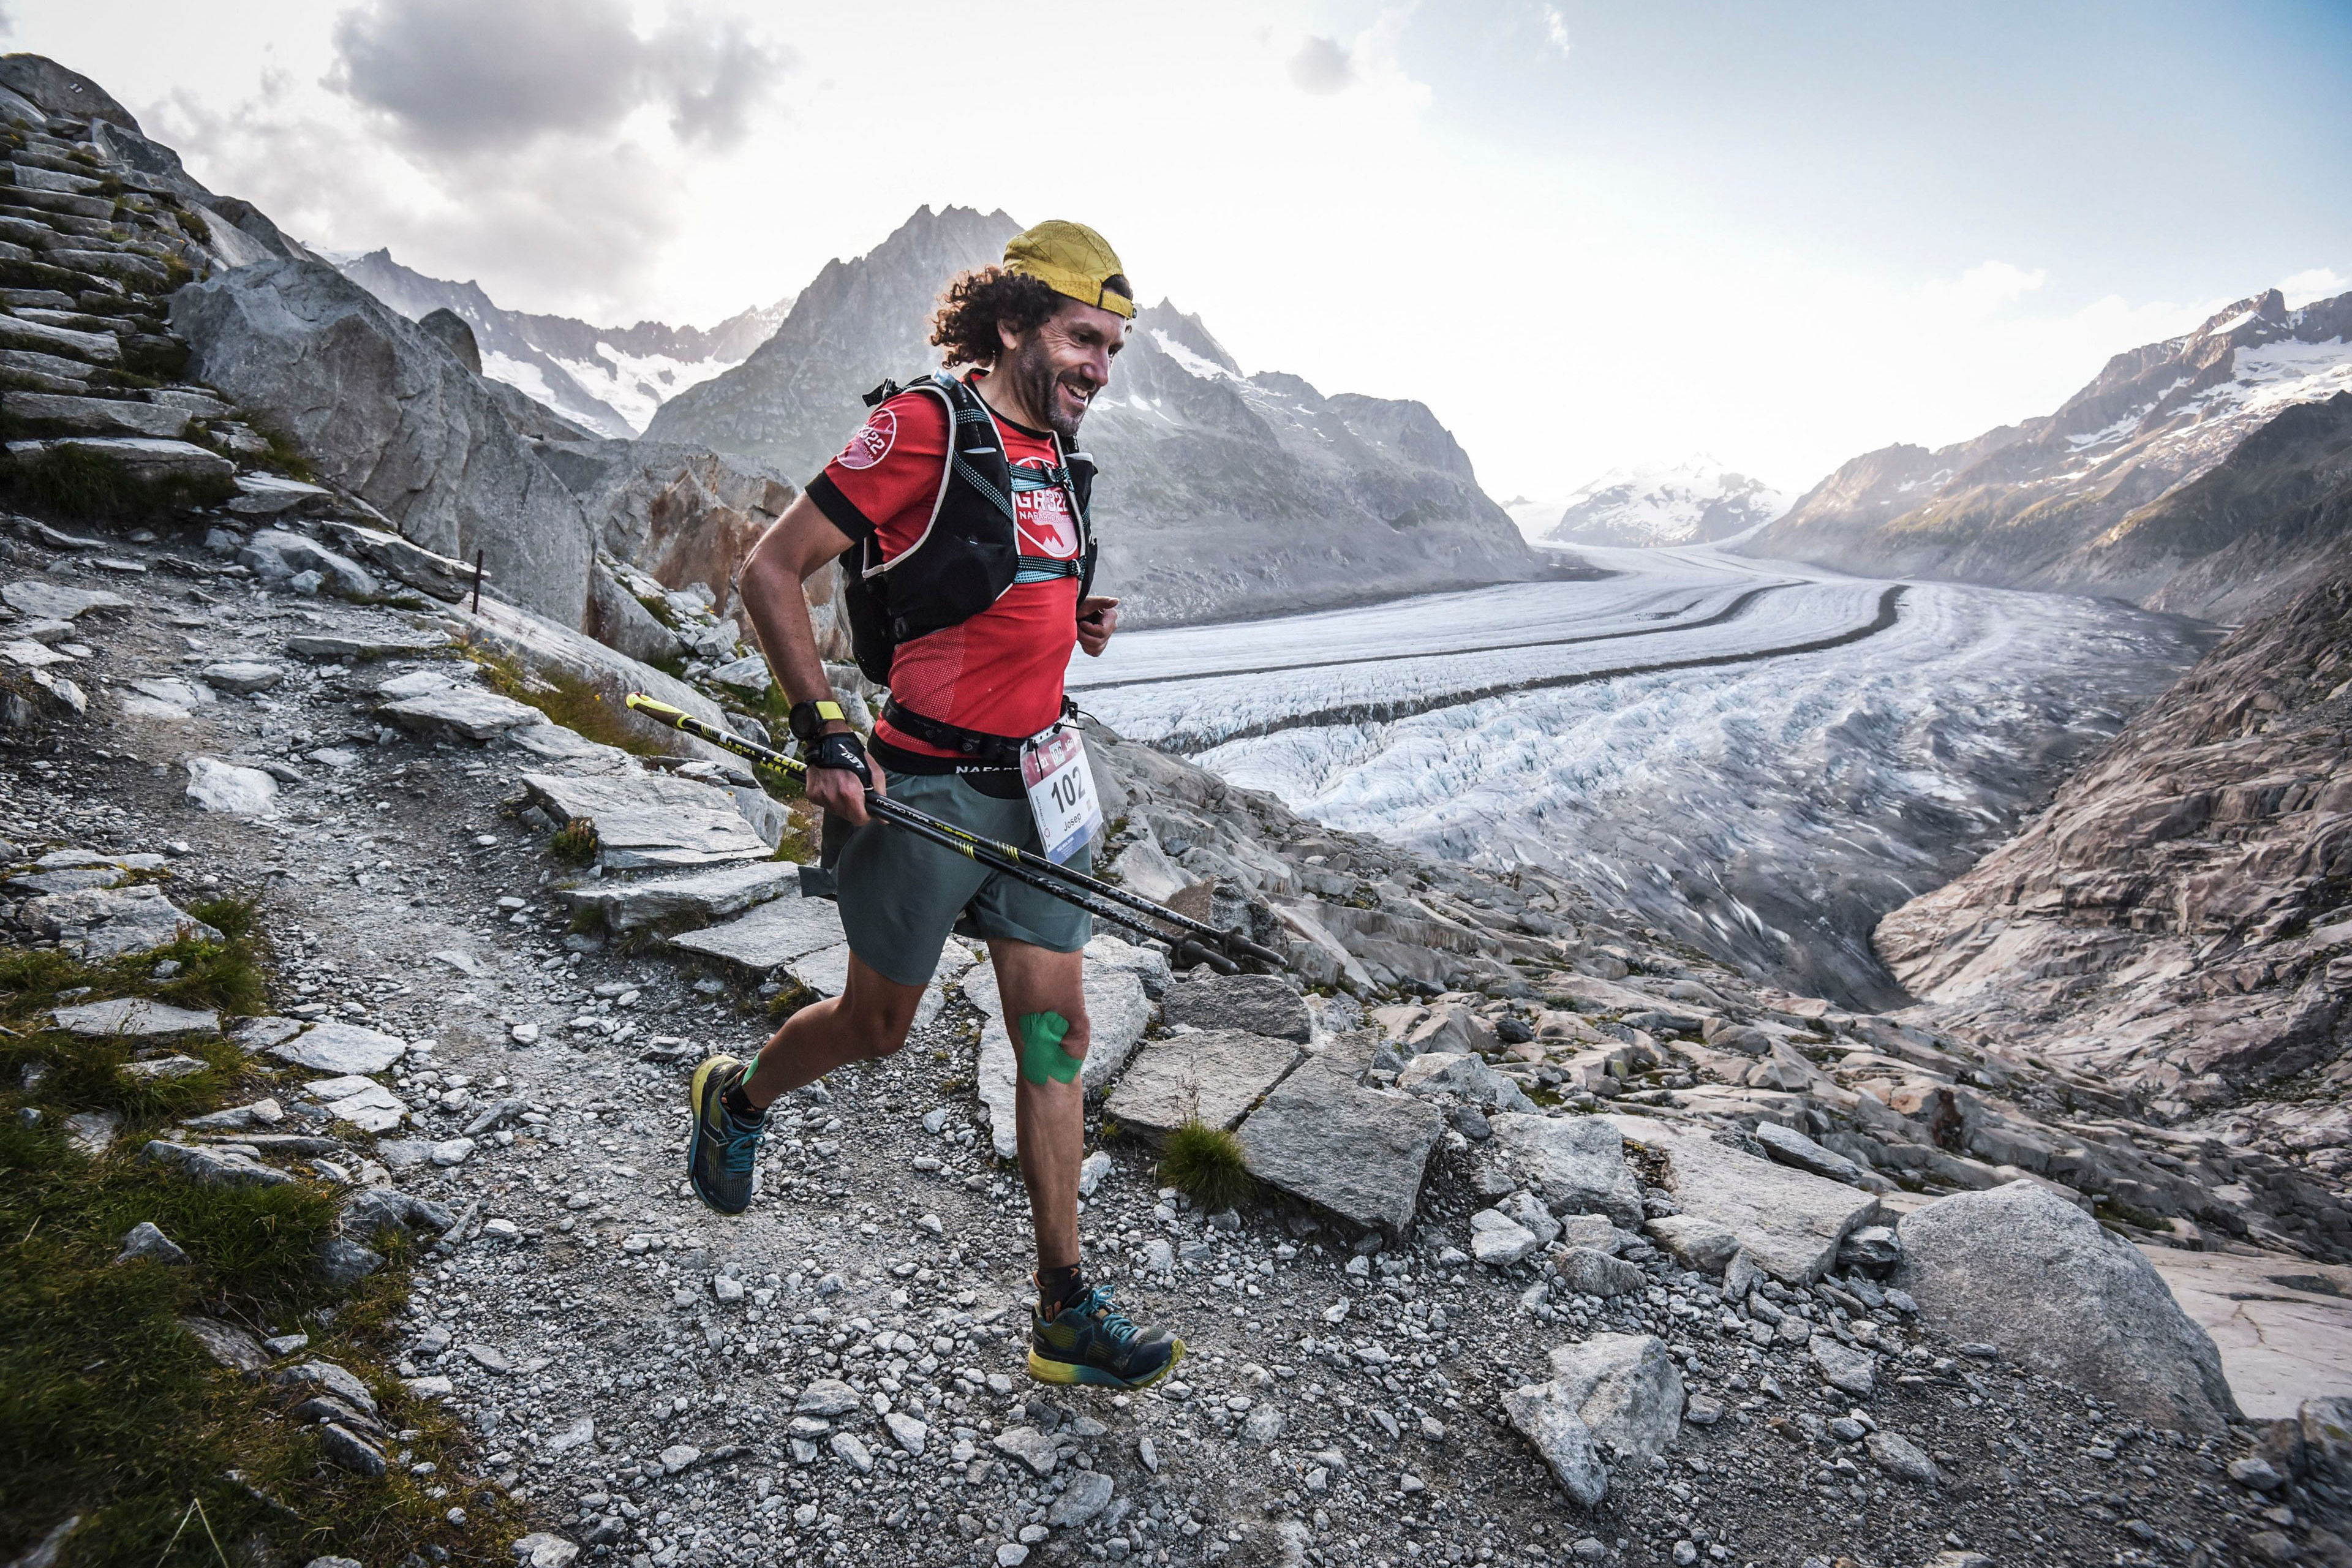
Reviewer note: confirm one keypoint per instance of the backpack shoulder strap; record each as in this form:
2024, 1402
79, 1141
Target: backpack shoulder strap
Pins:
946, 388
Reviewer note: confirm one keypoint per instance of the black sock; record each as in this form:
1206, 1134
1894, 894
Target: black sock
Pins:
1058, 1287
737, 1103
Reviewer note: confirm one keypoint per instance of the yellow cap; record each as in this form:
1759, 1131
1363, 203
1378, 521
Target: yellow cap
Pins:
1073, 260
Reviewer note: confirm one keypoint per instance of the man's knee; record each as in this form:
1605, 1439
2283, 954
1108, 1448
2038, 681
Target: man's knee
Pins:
1053, 1048
879, 1038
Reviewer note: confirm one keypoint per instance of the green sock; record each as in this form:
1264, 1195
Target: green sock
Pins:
1041, 1056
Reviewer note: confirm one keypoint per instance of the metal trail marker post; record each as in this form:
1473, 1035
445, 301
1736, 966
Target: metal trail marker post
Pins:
1190, 945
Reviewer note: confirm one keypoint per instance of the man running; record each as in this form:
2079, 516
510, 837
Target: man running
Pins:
965, 503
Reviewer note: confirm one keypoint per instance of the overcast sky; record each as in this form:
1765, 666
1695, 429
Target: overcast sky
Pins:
1586, 233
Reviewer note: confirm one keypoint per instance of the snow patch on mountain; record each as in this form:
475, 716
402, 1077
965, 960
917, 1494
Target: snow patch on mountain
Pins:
609, 379
1695, 501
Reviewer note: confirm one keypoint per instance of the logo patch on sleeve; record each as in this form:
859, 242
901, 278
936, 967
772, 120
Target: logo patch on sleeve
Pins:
872, 443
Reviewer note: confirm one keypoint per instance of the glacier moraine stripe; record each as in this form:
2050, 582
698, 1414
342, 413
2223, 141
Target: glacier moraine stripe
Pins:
1186, 742
1732, 611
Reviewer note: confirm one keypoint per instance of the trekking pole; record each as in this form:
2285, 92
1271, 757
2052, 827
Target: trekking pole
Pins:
1096, 897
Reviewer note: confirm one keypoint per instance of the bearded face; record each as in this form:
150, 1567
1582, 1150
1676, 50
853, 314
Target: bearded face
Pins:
1059, 367
1058, 393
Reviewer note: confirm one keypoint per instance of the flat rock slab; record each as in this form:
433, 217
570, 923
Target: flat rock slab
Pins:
1795, 1149
216, 786
646, 821
1117, 1012
144, 456
1359, 1152
107, 922
67, 879
461, 712
776, 932
215, 1167
135, 1017
337, 1047
1576, 1163
338, 648
55, 602
1214, 1076
573, 751
371, 1109
677, 903
2283, 1324
825, 972
1253, 1003
1789, 1222
243, 677
2022, 1269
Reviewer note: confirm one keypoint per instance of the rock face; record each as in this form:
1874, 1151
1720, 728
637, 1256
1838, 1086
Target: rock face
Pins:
2024, 1270
1220, 493
2078, 499
2176, 924
385, 411
679, 513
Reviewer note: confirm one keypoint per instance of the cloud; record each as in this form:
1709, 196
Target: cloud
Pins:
1321, 66
568, 224
462, 76
1555, 26
2314, 283
1986, 288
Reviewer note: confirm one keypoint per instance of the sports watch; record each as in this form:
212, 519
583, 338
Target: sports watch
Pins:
807, 720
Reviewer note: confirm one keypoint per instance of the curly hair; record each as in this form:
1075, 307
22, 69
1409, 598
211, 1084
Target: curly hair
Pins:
976, 301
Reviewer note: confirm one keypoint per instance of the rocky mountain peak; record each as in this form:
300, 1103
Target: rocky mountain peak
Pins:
66, 93
1177, 333
2030, 505
2249, 316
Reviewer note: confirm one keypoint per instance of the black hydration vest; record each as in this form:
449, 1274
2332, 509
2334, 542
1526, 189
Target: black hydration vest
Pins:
970, 552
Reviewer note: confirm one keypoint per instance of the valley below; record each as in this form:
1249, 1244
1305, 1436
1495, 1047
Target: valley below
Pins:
1758, 758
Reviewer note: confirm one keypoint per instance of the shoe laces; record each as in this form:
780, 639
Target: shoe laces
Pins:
1108, 1320
739, 1145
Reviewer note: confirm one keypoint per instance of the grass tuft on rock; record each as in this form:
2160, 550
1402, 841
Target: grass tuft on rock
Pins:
1205, 1164
565, 700
574, 843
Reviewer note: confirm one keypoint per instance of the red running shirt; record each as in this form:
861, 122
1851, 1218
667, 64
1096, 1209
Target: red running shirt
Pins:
1001, 671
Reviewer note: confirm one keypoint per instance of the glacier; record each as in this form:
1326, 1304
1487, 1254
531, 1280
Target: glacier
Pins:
1757, 758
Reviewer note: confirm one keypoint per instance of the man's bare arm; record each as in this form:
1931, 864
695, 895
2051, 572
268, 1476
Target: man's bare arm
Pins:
799, 543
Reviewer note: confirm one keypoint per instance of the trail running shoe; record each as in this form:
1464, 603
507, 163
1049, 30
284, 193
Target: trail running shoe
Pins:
1091, 1341
718, 1160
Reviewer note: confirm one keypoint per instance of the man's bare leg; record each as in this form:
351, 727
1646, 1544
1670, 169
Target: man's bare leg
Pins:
1049, 1117
870, 1019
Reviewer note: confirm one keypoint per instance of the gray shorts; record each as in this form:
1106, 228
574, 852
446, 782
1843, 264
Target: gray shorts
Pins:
900, 895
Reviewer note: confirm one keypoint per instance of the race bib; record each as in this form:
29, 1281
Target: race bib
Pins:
1061, 794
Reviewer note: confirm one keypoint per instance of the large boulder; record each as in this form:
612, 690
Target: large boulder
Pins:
387, 412
2022, 1269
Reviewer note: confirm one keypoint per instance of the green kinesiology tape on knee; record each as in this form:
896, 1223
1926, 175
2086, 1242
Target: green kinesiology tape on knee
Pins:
1041, 1056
